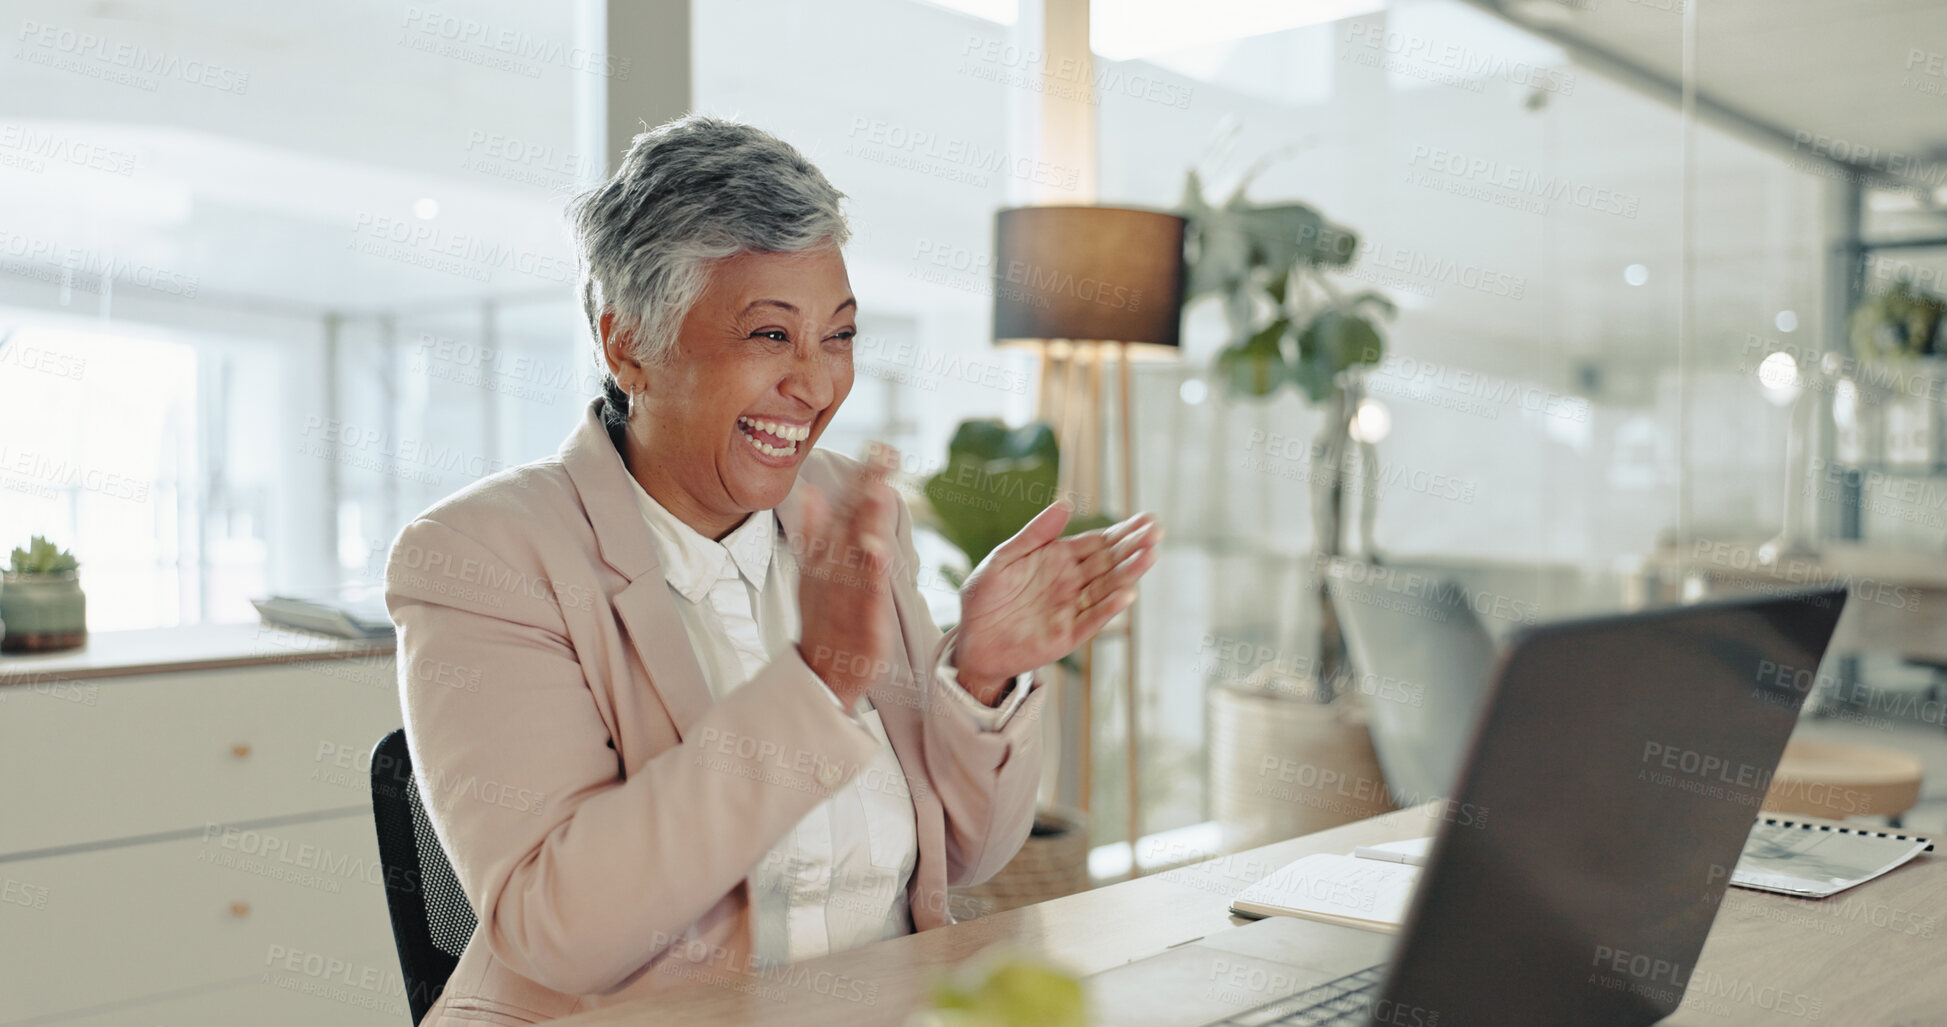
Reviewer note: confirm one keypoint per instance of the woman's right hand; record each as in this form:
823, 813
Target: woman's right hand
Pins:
844, 584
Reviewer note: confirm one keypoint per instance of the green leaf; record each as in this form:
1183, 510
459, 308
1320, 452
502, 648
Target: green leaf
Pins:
42, 557
1281, 236
994, 482
1379, 302
1359, 342
1277, 287
1193, 205
1218, 254
1337, 339
1315, 379
1336, 247
1256, 368
1319, 360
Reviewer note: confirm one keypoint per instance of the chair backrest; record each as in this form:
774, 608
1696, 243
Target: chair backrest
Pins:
1431, 656
431, 917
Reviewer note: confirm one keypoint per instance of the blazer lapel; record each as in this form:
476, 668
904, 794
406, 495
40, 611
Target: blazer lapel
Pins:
656, 628
645, 607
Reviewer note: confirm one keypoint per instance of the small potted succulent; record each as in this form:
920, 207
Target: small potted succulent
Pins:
41, 601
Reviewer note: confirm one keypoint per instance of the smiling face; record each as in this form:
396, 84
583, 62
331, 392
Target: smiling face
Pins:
760, 365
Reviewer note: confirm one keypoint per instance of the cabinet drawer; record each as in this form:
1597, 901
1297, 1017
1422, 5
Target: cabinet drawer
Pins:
122, 757
288, 918
249, 1004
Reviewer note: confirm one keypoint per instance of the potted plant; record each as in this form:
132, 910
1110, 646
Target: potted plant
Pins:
995, 480
1898, 340
1289, 324
41, 601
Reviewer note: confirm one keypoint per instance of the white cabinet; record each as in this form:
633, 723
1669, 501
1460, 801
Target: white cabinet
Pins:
294, 913
196, 847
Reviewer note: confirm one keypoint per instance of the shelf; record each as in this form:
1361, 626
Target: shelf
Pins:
1894, 470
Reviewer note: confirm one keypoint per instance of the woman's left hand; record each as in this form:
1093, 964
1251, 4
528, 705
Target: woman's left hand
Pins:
1037, 597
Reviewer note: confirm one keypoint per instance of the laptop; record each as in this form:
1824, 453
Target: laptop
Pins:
1417, 631
1613, 776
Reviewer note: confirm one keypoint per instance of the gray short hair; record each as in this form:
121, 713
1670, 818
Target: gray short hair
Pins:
688, 192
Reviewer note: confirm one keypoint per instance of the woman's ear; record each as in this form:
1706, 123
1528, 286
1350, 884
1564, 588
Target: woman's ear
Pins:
618, 352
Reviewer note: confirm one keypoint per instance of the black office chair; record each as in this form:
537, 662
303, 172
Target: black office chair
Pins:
431, 918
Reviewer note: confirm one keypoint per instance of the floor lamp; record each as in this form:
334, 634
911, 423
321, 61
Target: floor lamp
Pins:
1086, 286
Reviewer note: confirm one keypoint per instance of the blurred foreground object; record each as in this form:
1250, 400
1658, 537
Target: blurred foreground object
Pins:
1003, 988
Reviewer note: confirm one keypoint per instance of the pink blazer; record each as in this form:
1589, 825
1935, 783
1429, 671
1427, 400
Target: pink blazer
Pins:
601, 810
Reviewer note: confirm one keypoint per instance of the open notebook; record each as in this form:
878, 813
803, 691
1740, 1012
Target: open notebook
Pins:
1371, 886
1336, 888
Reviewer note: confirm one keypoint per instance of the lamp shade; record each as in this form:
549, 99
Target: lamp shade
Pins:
1088, 274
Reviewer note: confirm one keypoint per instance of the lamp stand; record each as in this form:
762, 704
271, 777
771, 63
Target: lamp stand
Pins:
1071, 400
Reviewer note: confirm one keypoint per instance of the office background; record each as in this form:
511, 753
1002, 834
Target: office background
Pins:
273, 279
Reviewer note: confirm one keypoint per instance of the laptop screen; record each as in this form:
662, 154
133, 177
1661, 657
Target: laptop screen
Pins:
1614, 774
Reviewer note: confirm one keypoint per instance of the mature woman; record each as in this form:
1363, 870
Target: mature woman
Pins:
707, 725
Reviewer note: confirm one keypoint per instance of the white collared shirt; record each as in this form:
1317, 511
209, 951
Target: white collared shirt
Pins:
837, 879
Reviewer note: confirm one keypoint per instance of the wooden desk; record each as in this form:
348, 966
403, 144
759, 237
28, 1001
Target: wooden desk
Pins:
1872, 955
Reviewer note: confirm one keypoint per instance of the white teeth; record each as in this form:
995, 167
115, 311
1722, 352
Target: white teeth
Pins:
766, 448
782, 431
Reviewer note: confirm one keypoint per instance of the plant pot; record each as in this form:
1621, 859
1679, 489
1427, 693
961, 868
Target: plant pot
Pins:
42, 612
1282, 766
1913, 429
1859, 420
1053, 862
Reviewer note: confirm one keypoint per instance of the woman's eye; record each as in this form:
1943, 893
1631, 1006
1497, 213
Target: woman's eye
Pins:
773, 334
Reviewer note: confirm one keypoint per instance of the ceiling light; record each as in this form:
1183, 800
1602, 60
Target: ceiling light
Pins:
425, 208
1636, 274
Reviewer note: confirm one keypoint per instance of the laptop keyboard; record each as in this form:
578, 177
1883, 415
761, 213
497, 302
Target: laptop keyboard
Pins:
1346, 1002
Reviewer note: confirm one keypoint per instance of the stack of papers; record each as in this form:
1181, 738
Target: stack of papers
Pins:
363, 619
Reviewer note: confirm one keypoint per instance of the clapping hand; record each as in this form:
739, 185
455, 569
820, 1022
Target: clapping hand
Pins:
1037, 597
844, 598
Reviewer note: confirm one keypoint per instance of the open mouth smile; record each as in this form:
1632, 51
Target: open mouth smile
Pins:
777, 440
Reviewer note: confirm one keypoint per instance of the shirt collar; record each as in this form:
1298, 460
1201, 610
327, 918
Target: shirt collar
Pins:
693, 563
